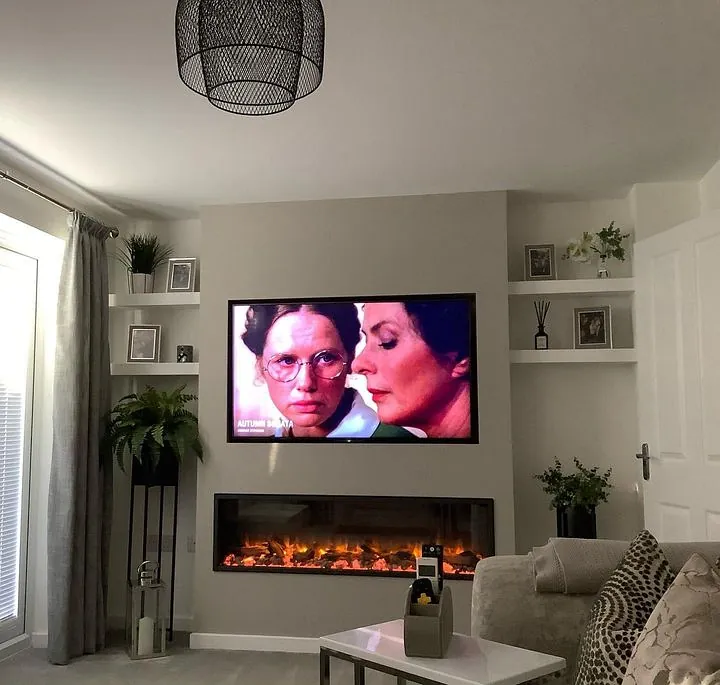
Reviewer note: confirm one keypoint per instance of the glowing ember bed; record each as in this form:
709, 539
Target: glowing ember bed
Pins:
349, 535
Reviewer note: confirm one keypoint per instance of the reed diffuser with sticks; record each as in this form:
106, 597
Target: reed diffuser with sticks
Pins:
541, 337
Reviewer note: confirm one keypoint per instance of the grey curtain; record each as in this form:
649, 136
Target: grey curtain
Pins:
80, 498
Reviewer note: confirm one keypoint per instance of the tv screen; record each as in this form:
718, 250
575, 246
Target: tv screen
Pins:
368, 369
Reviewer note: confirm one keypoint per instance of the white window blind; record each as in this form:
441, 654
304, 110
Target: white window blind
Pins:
17, 336
12, 425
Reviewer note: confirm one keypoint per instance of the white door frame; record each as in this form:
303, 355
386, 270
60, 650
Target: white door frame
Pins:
15, 627
48, 250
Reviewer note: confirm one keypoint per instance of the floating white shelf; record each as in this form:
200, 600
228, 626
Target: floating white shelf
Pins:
149, 369
617, 356
142, 300
579, 286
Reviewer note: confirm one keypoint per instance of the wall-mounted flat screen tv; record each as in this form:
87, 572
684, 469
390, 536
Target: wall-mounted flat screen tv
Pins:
368, 369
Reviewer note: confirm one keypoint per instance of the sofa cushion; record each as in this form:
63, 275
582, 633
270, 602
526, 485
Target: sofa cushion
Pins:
681, 640
621, 611
577, 566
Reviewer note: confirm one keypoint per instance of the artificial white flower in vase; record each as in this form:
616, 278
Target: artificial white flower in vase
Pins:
579, 249
605, 244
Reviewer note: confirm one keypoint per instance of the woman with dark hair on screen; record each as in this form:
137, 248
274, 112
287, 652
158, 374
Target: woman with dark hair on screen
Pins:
417, 363
303, 353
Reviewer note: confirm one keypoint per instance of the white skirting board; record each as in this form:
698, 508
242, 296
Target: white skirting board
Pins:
245, 643
11, 647
255, 643
39, 640
182, 624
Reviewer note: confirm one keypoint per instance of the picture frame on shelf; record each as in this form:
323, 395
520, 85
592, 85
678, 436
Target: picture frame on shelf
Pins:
181, 275
540, 262
593, 328
144, 343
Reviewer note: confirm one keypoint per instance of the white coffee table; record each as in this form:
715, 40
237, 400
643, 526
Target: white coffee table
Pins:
469, 661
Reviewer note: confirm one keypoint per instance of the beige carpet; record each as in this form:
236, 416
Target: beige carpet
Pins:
182, 667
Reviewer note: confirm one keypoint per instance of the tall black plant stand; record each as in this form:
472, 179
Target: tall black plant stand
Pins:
165, 476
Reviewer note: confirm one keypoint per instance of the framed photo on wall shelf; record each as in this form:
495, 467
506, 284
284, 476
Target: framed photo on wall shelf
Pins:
540, 263
144, 343
593, 328
181, 275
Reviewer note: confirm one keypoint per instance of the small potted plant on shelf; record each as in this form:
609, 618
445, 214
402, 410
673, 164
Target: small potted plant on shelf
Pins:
156, 430
606, 243
575, 496
141, 255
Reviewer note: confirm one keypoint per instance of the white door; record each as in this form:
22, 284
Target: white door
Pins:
677, 328
18, 287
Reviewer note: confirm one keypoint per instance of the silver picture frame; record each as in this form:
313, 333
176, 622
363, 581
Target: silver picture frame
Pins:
540, 262
181, 275
144, 343
593, 328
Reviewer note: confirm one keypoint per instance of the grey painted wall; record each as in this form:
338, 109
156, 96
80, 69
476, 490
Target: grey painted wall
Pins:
420, 244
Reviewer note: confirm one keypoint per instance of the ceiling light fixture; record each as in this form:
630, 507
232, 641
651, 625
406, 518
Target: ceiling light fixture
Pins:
250, 57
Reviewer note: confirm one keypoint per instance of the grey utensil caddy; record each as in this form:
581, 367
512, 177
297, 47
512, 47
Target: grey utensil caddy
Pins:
428, 628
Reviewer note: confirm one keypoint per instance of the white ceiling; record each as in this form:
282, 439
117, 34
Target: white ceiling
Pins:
580, 97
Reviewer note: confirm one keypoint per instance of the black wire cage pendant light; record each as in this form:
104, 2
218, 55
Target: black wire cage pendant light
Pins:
251, 57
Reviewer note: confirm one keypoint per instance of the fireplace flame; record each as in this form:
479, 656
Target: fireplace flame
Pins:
345, 555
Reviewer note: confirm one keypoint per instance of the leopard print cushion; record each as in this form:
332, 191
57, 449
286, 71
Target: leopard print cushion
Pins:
621, 611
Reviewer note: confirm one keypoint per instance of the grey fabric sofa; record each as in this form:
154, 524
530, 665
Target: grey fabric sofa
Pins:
507, 608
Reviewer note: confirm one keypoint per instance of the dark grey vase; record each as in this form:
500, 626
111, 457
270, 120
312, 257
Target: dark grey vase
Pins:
576, 522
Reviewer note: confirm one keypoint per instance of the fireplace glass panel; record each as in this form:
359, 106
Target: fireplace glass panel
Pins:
352, 535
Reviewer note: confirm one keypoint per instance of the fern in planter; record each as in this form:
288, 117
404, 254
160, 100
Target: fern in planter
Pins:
575, 496
143, 254
155, 430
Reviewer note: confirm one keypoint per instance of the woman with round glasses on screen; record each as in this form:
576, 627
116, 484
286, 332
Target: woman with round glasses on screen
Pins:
304, 353
417, 363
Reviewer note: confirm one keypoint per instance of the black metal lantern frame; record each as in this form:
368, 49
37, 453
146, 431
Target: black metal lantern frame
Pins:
252, 57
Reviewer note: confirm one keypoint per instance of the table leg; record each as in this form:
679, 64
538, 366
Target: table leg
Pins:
359, 673
324, 667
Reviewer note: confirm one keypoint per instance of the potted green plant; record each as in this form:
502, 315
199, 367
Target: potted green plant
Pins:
574, 497
606, 243
141, 255
156, 430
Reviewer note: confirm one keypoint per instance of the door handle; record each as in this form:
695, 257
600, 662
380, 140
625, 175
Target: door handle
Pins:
645, 456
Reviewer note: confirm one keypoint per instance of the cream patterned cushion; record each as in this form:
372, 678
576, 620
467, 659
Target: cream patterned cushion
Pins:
620, 612
681, 640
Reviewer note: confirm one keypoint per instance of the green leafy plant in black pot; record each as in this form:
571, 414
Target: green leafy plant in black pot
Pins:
141, 255
157, 431
575, 496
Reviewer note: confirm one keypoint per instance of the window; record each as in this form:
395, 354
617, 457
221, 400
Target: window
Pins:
18, 288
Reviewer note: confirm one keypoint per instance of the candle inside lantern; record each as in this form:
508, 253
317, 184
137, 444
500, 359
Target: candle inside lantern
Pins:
146, 631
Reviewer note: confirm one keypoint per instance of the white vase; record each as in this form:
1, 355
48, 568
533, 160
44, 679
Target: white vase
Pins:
140, 283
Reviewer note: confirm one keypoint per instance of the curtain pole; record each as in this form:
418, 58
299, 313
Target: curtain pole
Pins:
38, 193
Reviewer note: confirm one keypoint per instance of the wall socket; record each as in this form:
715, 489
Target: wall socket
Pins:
190, 544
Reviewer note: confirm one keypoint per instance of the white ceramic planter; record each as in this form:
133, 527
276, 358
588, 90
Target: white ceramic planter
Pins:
140, 283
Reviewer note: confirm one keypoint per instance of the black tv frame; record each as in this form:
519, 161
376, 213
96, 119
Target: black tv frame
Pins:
472, 439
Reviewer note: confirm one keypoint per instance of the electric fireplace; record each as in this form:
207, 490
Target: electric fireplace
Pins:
349, 534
